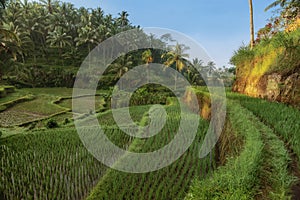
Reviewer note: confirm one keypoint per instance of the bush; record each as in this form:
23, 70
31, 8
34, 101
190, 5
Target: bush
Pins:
32, 125
9, 88
2, 92
66, 121
52, 124
244, 53
0, 134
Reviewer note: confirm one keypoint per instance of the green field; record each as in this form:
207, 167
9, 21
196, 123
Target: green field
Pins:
40, 163
94, 106
62, 168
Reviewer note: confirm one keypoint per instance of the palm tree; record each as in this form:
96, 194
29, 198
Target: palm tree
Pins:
282, 3
8, 40
121, 66
2, 3
59, 39
251, 24
291, 8
193, 71
123, 19
48, 4
176, 56
147, 58
211, 68
2, 7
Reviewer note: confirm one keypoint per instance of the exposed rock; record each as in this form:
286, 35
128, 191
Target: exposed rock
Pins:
274, 87
291, 90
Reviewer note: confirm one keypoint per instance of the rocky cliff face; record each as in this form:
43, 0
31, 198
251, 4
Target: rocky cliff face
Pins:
274, 87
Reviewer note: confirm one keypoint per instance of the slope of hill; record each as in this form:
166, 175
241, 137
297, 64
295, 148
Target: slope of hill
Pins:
271, 69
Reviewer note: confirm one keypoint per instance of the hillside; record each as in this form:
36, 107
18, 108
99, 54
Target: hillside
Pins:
271, 69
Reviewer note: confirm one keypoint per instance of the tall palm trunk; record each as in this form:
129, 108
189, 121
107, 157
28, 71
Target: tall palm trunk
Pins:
251, 25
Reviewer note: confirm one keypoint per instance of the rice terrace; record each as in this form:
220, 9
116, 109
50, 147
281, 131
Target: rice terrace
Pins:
94, 104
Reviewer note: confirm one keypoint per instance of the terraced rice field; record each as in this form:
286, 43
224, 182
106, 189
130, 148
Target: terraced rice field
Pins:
256, 157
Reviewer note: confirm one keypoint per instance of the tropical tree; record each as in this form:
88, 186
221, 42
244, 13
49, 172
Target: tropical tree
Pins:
86, 33
211, 68
7, 48
59, 39
48, 5
178, 57
251, 24
120, 67
2, 7
47, 30
147, 58
122, 20
290, 8
2, 3
194, 72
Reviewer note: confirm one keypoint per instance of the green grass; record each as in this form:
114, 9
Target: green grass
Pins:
12, 96
275, 179
98, 101
50, 164
43, 106
238, 178
38, 108
283, 119
61, 92
54, 163
171, 182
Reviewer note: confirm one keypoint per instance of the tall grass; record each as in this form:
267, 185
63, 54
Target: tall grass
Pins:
238, 178
171, 182
283, 119
281, 52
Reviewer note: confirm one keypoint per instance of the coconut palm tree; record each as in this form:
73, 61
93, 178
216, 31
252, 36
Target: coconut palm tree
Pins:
178, 57
59, 39
2, 3
211, 68
2, 7
147, 58
194, 71
48, 5
251, 24
291, 8
122, 20
121, 66
282, 3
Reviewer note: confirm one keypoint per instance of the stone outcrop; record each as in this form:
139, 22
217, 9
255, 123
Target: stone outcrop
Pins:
274, 87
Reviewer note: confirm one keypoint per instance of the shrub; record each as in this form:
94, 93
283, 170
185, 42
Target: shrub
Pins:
32, 125
9, 88
52, 123
66, 121
243, 54
2, 92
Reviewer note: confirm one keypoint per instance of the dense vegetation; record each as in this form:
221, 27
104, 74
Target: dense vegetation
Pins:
42, 45
260, 168
276, 47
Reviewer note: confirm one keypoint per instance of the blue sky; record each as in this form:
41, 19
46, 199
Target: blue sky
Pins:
219, 26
